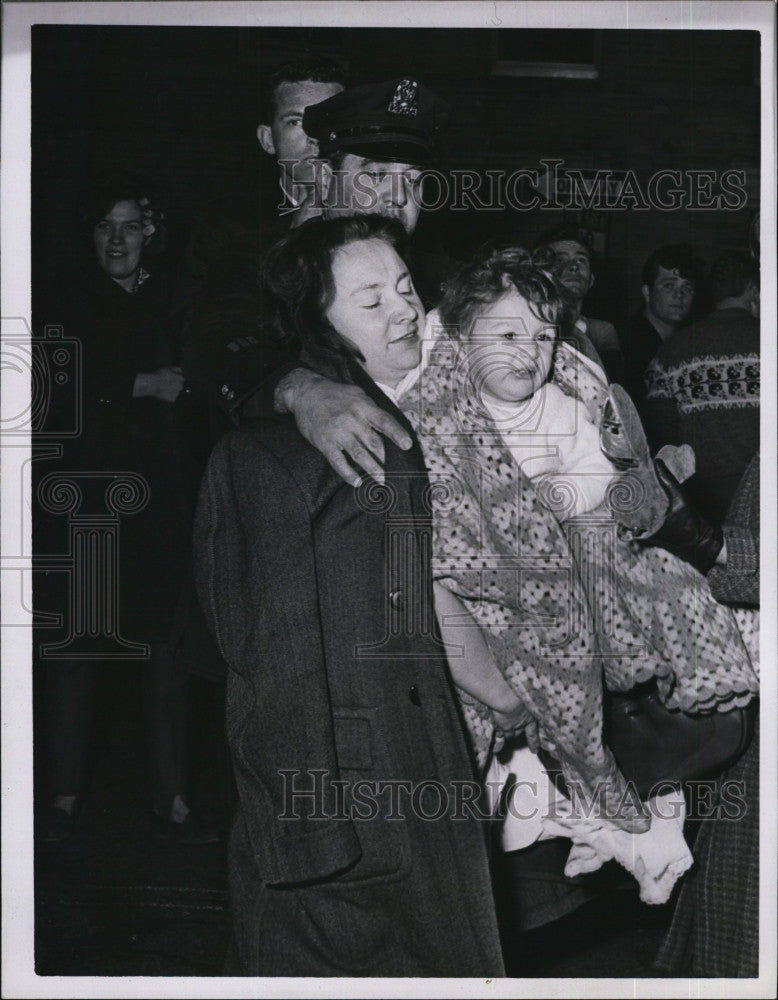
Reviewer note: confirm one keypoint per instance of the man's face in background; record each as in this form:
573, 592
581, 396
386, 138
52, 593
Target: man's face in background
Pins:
670, 297
572, 268
284, 137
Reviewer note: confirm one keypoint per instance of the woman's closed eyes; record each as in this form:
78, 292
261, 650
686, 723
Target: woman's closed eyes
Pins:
404, 287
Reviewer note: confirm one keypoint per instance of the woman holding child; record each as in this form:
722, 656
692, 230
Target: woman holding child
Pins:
297, 571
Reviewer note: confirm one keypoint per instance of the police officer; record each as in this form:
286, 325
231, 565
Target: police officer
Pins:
377, 140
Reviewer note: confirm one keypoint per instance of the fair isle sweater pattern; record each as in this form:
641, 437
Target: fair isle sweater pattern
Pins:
707, 382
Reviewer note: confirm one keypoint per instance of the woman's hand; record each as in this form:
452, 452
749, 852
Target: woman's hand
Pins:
473, 668
165, 384
516, 719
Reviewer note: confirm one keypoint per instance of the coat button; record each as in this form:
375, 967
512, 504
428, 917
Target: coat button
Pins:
397, 600
413, 694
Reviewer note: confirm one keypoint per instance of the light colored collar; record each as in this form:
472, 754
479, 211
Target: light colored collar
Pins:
289, 203
140, 277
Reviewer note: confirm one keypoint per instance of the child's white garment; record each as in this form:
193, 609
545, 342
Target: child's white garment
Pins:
528, 797
536, 810
551, 434
656, 858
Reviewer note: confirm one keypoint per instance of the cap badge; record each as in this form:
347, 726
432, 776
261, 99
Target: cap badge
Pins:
405, 97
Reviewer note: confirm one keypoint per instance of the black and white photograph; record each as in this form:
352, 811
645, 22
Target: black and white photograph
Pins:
384, 452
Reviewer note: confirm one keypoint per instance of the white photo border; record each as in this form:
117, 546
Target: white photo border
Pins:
17, 815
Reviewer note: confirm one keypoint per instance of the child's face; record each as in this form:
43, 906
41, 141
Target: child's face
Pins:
510, 349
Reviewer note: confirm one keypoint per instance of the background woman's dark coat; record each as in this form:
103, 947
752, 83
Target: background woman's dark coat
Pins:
123, 334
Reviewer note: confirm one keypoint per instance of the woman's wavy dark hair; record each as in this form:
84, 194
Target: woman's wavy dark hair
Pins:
113, 186
298, 286
489, 275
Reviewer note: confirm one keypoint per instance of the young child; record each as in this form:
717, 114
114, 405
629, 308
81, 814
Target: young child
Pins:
525, 549
538, 611
510, 346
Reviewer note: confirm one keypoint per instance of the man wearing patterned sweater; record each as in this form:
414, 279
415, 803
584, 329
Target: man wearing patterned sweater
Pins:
703, 386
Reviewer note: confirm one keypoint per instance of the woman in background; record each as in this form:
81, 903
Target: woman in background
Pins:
134, 419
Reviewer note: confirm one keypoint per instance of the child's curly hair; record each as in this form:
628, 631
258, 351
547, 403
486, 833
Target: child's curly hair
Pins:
489, 275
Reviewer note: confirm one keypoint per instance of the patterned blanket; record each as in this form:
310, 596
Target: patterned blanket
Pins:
564, 604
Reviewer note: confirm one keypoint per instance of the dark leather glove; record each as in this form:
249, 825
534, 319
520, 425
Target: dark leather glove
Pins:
684, 532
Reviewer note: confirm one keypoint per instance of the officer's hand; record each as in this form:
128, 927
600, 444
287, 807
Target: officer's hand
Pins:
164, 384
341, 422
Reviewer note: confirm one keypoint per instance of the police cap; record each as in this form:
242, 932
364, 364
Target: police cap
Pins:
396, 121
